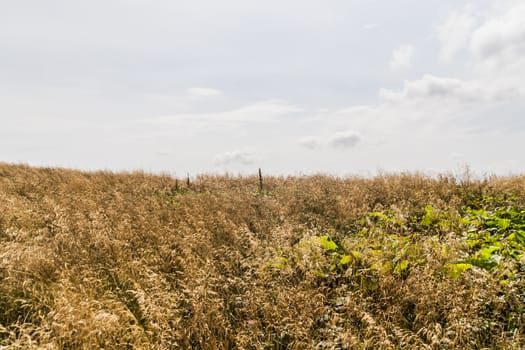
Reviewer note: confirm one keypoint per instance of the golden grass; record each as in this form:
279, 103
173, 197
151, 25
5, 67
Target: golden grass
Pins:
136, 261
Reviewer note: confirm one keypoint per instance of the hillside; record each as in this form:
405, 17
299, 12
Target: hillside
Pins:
136, 261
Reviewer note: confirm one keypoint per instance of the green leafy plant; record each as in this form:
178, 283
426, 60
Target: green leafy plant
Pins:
429, 218
328, 243
494, 235
456, 270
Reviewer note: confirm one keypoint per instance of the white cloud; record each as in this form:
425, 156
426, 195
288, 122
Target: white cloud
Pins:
203, 92
311, 142
501, 39
237, 157
345, 139
432, 87
355, 110
402, 57
428, 108
263, 111
493, 39
260, 112
454, 34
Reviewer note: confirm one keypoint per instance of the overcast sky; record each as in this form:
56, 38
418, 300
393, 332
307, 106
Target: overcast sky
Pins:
292, 86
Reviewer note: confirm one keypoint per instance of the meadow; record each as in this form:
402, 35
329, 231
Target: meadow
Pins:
92, 260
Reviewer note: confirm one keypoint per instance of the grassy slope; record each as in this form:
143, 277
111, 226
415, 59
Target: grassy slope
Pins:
92, 260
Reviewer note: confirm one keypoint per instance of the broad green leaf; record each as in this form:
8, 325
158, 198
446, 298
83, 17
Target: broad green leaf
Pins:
400, 267
327, 243
345, 259
428, 219
502, 224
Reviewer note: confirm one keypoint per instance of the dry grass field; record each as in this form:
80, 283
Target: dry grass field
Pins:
137, 261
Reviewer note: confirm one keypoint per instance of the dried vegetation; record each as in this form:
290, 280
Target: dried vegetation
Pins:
136, 261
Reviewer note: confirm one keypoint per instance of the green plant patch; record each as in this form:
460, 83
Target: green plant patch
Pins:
429, 218
278, 263
486, 258
328, 243
456, 270
401, 267
385, 219
345, 259
495, 235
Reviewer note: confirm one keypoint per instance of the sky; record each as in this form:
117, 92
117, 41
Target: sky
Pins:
341, 87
